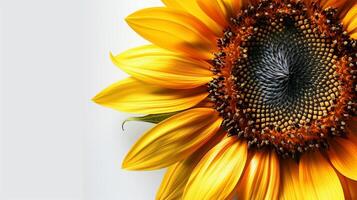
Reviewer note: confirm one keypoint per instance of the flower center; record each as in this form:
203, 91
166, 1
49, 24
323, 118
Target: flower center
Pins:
285, 77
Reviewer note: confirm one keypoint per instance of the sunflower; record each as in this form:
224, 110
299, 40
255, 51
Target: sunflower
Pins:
252, 99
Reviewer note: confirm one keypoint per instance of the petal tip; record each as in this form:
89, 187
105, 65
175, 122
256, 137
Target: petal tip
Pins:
130, 19
127, 165
112, 58
124, 165
96, 99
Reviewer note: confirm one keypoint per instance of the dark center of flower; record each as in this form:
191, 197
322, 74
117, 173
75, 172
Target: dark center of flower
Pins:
285, 77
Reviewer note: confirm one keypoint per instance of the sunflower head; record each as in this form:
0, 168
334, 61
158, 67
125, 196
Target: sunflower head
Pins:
252, 98
285, 77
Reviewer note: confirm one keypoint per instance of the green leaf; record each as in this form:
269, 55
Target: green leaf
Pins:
152, 118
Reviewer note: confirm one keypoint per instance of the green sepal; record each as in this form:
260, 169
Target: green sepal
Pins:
152, 118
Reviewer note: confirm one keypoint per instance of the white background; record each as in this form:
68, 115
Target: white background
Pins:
55, 143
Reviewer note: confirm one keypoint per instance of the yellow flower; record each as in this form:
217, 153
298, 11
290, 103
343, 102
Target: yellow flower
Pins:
254, 99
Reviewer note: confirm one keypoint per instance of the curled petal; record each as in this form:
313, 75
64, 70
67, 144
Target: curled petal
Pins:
173, 140
176, 177
218, 172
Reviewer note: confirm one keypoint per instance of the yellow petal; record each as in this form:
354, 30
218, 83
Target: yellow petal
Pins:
343, 156
217, 174
177, 175
174, 30
175, 180
332, 3
133, 96
160, 67
173, 140
352, 186
342, 6
318, 179
291, 189
261, 178
350, 20
192, 7
354, 36
345, 187
216, 10
233, 6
